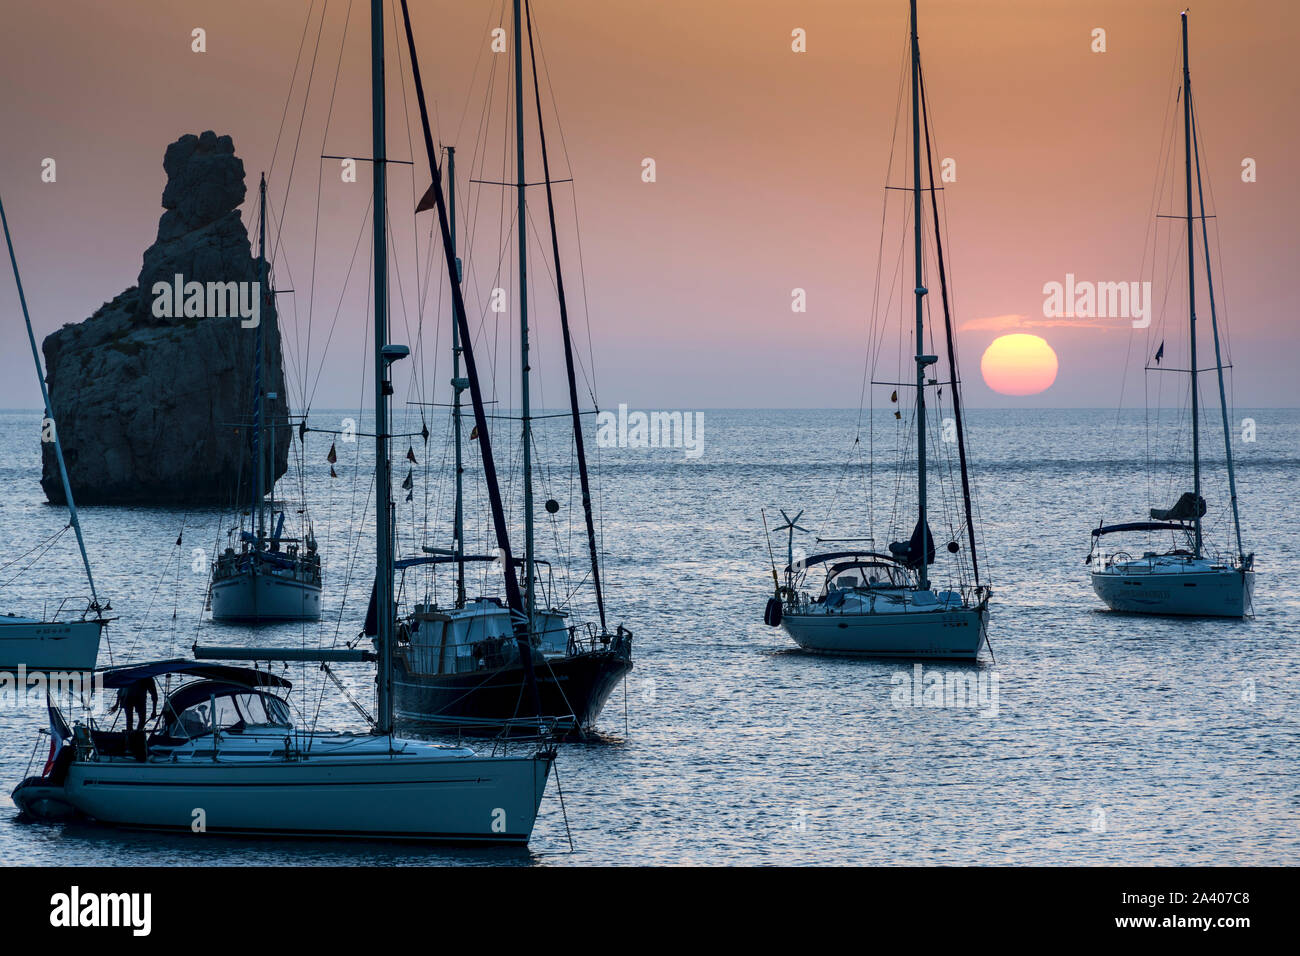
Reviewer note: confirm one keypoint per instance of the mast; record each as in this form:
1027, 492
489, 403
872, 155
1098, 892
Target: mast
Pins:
521, 240
1191, 293
921, 360
514, 600
259, 359
49, 414
458, 385
1218, 354
383, 504
579, 445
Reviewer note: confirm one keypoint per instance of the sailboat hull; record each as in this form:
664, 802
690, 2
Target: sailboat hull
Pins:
1211, 593
264, 597
49, 645
954, 634
457, 799
572, 689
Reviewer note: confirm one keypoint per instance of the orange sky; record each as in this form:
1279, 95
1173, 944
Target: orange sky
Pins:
770, 171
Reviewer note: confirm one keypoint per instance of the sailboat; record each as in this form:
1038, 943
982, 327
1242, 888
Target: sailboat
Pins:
884, 603
1183, 579
270, 577
37, 643
458, 669
225, 742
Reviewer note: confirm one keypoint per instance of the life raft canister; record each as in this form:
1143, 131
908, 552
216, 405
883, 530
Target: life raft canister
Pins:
772, 613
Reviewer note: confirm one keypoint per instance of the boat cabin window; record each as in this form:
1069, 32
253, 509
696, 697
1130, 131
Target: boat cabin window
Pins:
865, 574
234, 713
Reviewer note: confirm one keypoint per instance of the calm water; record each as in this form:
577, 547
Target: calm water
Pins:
1115, 739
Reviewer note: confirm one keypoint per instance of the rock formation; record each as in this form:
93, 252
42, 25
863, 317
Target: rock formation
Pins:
153, 409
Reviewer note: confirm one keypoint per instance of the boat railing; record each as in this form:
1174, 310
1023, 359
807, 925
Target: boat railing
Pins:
58, 610
1121, 562
588, 637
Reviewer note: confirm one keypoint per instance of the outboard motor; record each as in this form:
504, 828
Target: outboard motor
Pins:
772, 613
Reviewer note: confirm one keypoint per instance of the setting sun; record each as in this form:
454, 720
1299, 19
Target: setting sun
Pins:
1019, 364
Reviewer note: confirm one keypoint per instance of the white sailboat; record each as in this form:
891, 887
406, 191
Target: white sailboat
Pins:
36, 643
225, 743
270, 577
1183, 579
884, 603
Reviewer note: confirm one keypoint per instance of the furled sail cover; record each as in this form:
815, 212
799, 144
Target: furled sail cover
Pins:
1185, 509
910, 551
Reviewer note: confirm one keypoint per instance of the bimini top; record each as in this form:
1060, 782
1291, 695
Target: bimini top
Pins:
1139, 526
116, 677
833, 555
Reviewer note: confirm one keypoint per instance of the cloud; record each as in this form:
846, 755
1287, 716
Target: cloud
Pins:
995, 323
1022, 323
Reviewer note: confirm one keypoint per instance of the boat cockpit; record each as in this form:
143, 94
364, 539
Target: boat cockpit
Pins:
218, 699
867, 574
201, 707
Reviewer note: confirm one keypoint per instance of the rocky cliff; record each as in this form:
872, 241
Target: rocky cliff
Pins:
154, 408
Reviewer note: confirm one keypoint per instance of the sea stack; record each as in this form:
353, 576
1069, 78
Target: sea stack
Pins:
153, 403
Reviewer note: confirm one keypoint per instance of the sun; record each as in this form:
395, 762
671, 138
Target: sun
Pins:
1019, 364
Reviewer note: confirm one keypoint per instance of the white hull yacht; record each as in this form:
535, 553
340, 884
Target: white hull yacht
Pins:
885, 603
1176, 584
225, 743
270, 577
869, 606
35, 643
49, 645
1183, 580
224, 755
254, 587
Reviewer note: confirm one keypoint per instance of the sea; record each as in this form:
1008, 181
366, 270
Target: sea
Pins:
1096, 738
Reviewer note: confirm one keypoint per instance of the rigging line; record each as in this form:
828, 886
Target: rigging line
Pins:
478, 161
401, 295
320, 179
8, 564
352, 514
338, 309
416, 372
271, 282
947, 321
1151, 231
868, 365
44, 550
577, 228
1223, 292
464, 114
293, 161
295, 370
153, 597
1214, 325
302, 42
